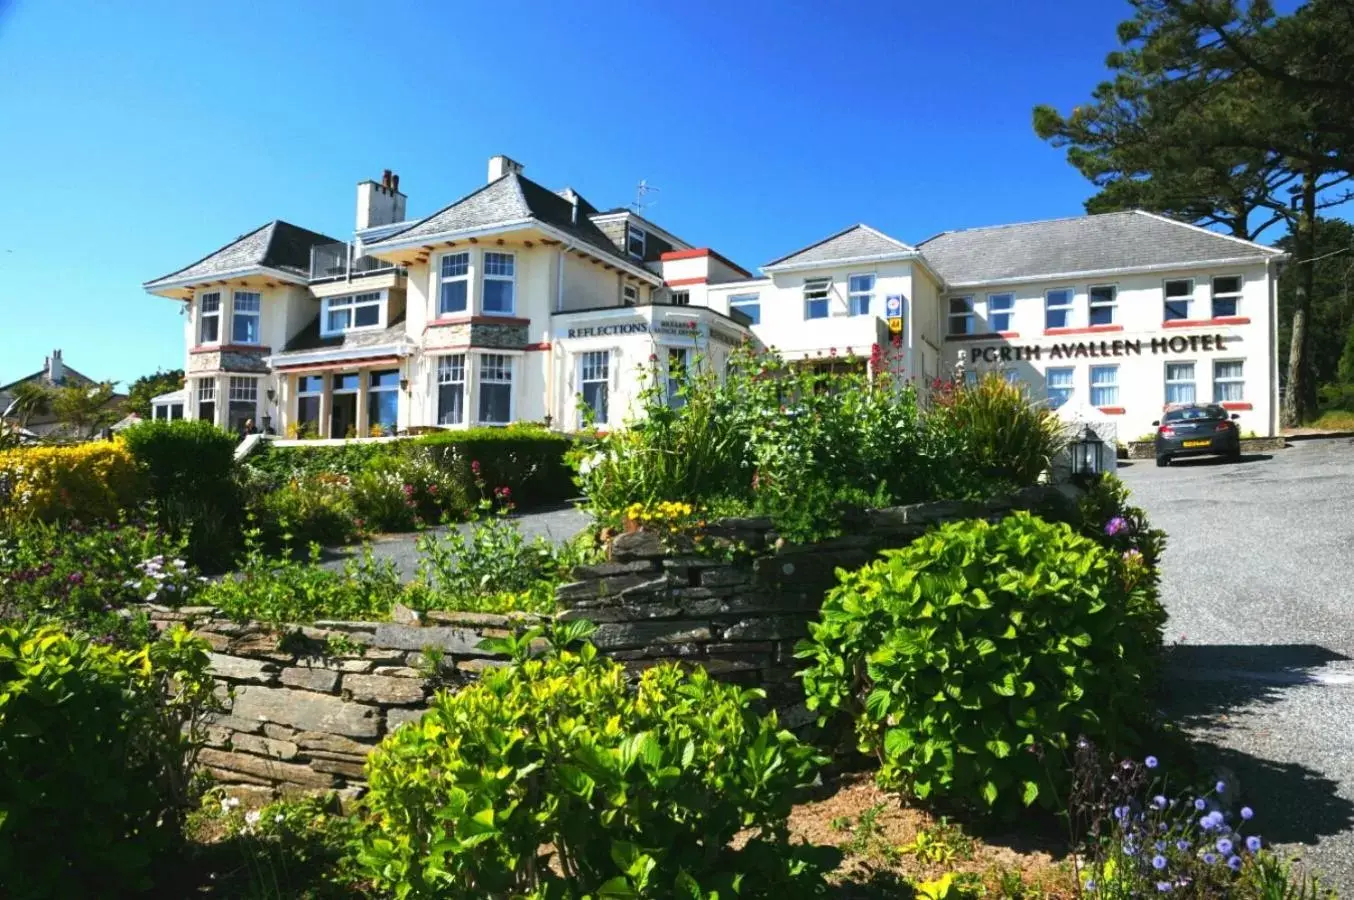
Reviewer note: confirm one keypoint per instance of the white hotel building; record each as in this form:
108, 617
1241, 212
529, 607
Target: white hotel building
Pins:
519, 303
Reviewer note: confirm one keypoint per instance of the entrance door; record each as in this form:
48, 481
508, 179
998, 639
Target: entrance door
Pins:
343, 419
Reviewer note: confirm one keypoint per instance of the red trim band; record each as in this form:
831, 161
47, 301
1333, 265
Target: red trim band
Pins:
698, 253
679, 282
357, 363
1091, 329
544, 345
1113, 410
1206, 323
1237, 405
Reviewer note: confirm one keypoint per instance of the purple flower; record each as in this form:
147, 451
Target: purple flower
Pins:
1247, 813
76, 578
1121, 812
1234, 863
1090, 884
1182, 845
1159, 801
1116, 525
1224, 846
1210, 858
1221, 786
1129, 849
1163, 886
1200, 805
1151, 761
1253, 843
1158, 862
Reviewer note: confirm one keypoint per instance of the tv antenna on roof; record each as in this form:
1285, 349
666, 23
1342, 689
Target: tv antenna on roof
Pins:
642, 191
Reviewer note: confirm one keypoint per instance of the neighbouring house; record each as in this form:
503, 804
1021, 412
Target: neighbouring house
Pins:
54, 374
520, 303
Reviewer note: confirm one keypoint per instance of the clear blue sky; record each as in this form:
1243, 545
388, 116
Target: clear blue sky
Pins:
140, 136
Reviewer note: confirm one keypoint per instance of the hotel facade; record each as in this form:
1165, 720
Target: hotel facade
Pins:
517, 303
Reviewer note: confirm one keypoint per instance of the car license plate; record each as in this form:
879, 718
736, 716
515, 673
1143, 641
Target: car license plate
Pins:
1197, 443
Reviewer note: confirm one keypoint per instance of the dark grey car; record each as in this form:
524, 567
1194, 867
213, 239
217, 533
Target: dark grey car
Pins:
1197, 429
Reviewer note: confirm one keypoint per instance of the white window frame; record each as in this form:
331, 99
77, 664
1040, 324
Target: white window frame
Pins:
480, 381
372, 390
1239, 380
488, 276
588, 365
854, 294
629, 295
1167, 300
672, 386
203, 315
1008, 311
1103, 385
680, 298
817, 286
1068, 308
444, 374
446, 279
206, 393
256, 314
742, 301
1093, 304
1236, 295
302, 393
967, 315
1192, 381
350, 303
243, 389
1070, 387
633, 233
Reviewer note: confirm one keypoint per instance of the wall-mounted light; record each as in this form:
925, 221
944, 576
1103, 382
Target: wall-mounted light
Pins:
272, 395
404, 384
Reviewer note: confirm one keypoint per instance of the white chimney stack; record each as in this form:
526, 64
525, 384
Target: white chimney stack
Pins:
502, 165
380, 204
56, 371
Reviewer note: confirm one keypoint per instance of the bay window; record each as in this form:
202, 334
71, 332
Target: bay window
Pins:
383, 402
1104, 385
499, 282
245, 314
594, 379
859, 291
453, 294
242, 402
451, 389
495, 389
209, 318
206, 399
1058, 308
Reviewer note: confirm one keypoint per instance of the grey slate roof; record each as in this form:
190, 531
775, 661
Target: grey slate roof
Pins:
309, 339
851, 243
1120, 240
509, 199
277, 245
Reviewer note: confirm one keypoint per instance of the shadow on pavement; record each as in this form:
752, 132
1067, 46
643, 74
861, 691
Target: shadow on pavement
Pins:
1201, 462
1204, 681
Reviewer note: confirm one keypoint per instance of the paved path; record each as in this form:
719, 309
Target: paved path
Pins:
557, 525
1258, 578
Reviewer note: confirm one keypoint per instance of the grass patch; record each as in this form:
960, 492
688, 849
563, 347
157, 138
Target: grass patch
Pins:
1333, 420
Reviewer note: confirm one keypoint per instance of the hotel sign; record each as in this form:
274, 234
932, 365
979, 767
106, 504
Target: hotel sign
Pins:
1097, 349
681, 328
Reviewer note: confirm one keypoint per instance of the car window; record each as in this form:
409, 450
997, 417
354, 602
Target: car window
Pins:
1191, 413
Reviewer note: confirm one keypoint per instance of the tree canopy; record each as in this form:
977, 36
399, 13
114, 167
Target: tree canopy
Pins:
141, 391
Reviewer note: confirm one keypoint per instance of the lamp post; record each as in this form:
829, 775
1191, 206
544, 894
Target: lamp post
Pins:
1087, 454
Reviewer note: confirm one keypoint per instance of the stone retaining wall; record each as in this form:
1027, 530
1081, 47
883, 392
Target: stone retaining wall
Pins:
304, 710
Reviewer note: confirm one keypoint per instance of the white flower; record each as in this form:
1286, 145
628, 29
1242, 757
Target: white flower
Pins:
278, 817
252, 817
233, 802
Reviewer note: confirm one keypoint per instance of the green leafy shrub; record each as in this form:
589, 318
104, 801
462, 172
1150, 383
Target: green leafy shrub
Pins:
190, 469
87, 577
407, 490
288, 463
998, 439
286, 591
492, 569
978, 652
96, 746
526, 459
639, 792
308, 509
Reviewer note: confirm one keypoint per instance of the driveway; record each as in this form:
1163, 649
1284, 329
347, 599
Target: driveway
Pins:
1258, 578
556, 525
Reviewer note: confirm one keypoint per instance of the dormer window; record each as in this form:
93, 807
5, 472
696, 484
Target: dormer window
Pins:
635, 241
355, 312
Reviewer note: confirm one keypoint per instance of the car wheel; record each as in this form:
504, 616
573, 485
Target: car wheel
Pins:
1163, 461
1234, 455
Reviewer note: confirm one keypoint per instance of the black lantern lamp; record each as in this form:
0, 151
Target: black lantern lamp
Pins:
1088, 454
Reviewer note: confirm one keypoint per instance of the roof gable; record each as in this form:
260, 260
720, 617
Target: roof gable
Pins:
857, 242
278, 245
1063, 247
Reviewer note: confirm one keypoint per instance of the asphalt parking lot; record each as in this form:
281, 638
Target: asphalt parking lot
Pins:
1258, 578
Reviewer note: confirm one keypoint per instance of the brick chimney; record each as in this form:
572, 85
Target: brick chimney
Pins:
380, 203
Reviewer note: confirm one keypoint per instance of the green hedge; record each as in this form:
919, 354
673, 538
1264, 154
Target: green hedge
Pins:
190, 468
529, 461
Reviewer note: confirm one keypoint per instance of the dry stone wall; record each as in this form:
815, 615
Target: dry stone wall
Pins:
304, 709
